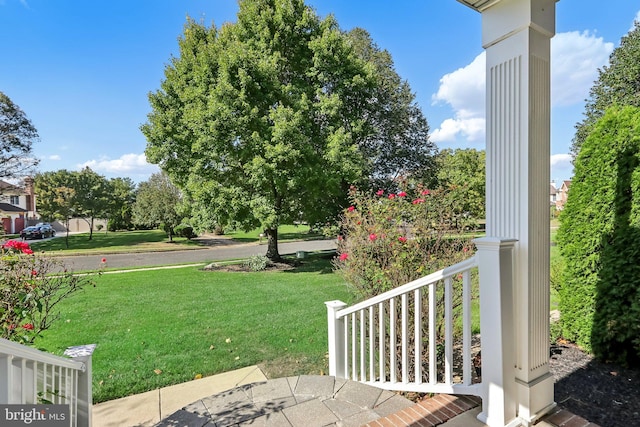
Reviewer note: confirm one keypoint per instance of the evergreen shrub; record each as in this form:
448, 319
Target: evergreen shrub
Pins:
599, 239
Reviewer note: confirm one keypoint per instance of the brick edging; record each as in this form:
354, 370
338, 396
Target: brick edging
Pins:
429, 412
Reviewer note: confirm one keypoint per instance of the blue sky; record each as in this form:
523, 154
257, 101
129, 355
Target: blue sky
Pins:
81, 70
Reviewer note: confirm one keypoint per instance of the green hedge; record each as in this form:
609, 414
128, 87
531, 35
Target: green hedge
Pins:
599, 239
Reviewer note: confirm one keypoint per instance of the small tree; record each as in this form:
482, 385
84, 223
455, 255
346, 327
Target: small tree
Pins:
17, 135
31, 286
157, 202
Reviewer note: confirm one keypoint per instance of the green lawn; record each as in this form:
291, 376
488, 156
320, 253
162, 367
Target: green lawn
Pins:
155, 328
151, 240
119, 241
285, 232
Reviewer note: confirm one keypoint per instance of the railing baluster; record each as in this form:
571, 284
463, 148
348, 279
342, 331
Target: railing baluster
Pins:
346, 346
466, 327
372, 344
448, 331
392, 340
354, 365
381, 339
418, 335
433, 376
362, 347
405, 339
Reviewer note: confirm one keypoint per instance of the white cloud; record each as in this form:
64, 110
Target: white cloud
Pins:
128, 164
54, 157
561, 167
575, 59
464, 91
561, 160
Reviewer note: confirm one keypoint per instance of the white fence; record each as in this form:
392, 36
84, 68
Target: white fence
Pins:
404, 339
386, 339
30, 376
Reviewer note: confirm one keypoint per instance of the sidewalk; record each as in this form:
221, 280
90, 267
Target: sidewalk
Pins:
147, 409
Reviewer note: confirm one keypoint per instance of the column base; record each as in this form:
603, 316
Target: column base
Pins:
535, 398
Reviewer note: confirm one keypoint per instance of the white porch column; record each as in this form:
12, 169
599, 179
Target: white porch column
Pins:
516, 35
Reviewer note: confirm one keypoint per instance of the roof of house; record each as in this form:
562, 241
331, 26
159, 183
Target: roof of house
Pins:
7, 207
4, 185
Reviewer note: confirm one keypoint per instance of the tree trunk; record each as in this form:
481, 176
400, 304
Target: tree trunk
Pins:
91, 229
272, 244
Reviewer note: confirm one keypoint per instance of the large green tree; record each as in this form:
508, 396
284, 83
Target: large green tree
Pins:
56, 196
123, 195
398, 146
617, 84
462, 173
158, 204
598, 239
259, 121
17, 136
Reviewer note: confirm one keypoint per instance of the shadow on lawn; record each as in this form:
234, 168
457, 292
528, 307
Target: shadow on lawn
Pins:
320, 264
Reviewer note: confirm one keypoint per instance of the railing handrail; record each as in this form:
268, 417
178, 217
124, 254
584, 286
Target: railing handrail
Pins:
412, 286
17, 350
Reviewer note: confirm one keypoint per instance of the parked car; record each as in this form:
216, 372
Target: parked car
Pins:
38, 232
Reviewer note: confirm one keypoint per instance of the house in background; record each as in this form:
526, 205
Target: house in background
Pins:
563, 192
17, 205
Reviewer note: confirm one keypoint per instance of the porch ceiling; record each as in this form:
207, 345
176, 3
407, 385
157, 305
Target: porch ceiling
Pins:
479, 5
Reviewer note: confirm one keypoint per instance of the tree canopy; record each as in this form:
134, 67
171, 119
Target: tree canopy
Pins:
617, 84
158, 204
270, 119
17, 136
462, 173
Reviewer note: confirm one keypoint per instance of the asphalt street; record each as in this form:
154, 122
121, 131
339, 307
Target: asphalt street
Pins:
217, 251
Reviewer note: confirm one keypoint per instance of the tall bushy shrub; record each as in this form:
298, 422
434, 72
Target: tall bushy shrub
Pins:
389, 239
599, 239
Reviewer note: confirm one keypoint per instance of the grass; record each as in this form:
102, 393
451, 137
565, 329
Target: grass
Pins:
115, 242
285, 233
152, 241
155, 328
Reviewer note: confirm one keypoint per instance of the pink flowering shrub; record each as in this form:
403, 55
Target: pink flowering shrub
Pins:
391, 239
388, 240
31, 285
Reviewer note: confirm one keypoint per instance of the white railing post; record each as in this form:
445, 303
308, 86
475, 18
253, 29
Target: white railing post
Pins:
495, 266
337, 367
83, 354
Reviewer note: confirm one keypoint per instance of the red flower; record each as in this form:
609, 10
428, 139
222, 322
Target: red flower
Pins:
344, 256
402, 194
104, 260
339, 238
465, 249
402, 239
351, 208
372, 237
392, 196
27, 251
380, 192
425, 192
28, 326
418, 201
34, 273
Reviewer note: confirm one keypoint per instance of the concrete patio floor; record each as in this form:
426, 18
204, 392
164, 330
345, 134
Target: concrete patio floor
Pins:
245, 397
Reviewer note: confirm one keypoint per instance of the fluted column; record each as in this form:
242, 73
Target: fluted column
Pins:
516, 36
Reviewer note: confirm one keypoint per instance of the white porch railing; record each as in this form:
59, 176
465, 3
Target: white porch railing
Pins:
403, 340
30, 376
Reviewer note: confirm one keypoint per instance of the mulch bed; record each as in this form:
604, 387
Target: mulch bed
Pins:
603, 393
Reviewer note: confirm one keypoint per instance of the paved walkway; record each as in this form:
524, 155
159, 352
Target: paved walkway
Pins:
245, 397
